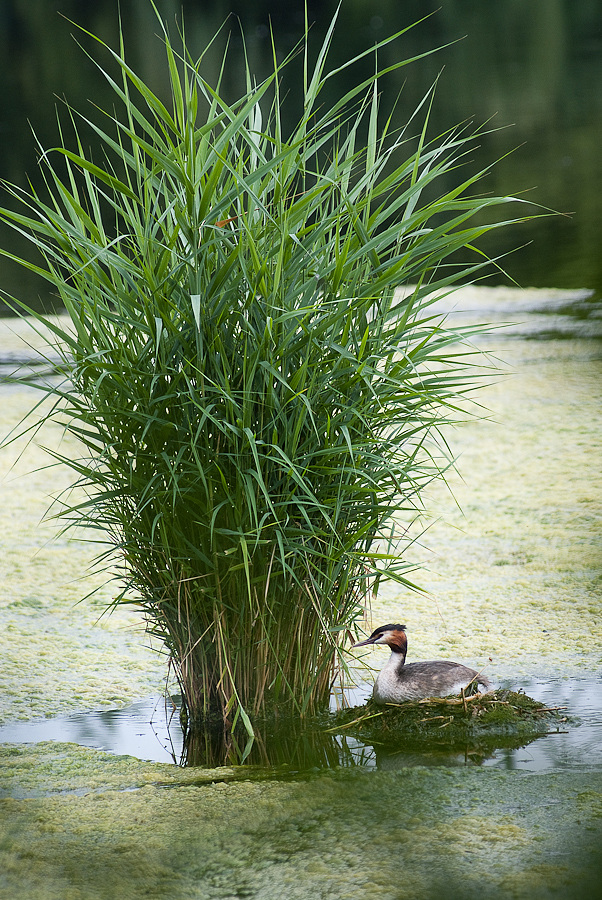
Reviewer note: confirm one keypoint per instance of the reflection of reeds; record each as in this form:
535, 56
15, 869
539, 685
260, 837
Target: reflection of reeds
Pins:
475, 726
287, 743
257, 408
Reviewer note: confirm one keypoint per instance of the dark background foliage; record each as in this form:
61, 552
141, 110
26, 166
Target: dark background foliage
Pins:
535, 66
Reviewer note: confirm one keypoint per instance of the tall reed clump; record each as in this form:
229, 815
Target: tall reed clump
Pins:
257, 407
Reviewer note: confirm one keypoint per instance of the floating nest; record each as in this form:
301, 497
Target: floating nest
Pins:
486, 720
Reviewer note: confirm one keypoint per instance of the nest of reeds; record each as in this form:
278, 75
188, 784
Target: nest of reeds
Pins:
484, 717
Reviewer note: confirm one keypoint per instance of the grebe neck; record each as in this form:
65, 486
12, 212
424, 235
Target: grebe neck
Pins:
396, 660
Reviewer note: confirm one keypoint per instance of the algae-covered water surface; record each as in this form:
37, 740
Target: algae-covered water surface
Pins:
512, 571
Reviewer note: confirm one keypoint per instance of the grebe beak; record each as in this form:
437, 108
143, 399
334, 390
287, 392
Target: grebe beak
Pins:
369, 640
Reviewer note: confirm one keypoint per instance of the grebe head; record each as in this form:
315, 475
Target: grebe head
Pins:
392, 635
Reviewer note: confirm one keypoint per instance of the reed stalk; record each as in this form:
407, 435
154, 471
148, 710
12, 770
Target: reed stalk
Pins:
258, 407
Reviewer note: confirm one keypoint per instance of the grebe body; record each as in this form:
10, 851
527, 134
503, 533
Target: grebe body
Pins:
398, 682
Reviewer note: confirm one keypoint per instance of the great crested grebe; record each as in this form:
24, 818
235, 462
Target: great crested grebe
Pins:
397, 682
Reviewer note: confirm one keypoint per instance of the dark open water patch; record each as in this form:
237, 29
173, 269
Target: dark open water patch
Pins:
150, 730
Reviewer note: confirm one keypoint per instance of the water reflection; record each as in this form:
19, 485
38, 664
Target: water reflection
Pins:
580, 744
145, 730
294, 746
297, 746
151, 730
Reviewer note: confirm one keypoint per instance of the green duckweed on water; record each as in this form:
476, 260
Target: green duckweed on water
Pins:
124, 828
513, 575
58, 654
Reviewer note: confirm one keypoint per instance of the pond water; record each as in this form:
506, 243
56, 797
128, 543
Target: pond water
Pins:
515, 570
150, 730
513, 582
545, 565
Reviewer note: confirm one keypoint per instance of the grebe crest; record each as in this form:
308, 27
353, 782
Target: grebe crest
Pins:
398, 682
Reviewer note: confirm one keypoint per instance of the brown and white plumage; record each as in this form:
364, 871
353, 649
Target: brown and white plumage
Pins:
398, 682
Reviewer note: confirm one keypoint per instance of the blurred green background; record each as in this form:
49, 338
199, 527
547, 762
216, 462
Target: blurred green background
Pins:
532, 69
